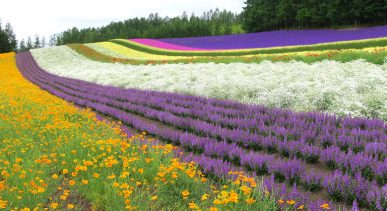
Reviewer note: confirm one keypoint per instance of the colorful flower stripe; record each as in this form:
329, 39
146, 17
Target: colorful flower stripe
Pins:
115, 50
165, 45
356, 88
119, 51
376, 42
269, 39
288, 170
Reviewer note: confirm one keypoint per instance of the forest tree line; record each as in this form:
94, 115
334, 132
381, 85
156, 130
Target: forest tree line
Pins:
213, 22
264, 15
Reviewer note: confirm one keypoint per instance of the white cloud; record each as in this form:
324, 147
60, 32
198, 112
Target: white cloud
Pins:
46, 17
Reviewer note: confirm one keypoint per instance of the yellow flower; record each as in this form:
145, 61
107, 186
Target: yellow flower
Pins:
185, 193
70, 206
18, 160
25, 209
3, 203
154, 198
205, 197
41, 190
85, 181
217, 201
290, 202
95, 175
65, 171
213, 209
54, 205
301, 207
140, 170
250, 201
325, 206
281, 201
72, 182
116, 184
111, 176
54, 176
192, 205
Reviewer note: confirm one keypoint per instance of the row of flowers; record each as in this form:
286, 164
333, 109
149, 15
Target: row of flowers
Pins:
354, 88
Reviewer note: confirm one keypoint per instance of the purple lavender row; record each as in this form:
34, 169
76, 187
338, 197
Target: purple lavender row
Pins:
356, 140
278, 38
308, 152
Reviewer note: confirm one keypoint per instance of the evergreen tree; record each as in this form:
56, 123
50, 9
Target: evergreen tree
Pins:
43, 42
11, 37
22, 46
8, 41
29, 43
37, 43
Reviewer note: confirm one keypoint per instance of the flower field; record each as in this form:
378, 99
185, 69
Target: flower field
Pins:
266, 39
57, 156
294, 126
357, 88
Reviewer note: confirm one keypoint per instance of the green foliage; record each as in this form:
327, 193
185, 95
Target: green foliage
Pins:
213, 22
262, 15
8, 41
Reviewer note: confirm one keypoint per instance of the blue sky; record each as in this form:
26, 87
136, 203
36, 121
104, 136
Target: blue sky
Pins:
46, 17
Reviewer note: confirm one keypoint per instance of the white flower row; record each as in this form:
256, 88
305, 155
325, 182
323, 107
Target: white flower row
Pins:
358, 88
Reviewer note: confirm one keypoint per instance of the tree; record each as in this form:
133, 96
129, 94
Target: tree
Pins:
29, 43
37, 43
11, 37
8, 41
43, 42
22, 46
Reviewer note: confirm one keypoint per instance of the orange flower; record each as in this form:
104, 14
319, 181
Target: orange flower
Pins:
281, 201
95, 175
72, 182
290, 202
325, 206
250, 201
85, 181
185, 194
54, 205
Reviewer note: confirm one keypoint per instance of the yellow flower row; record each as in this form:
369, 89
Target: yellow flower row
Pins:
120, 51
116, 50
52, 153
